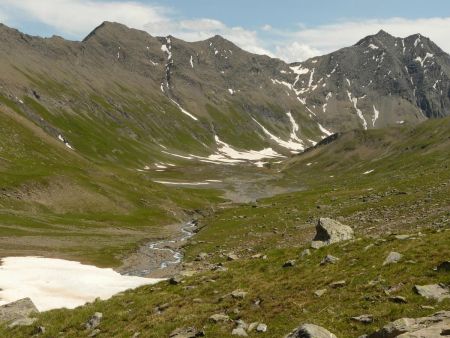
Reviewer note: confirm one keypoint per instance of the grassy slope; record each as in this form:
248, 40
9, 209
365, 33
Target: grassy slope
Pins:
53, 198
408, 192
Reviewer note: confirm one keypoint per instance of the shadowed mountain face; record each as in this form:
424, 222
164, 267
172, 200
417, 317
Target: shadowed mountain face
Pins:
122, 95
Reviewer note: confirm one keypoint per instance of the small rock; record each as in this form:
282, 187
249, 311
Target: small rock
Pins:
137, 334
186, 332
94, 333
241, 323
305, 253
289, 263
392, 258
398, 299
39, 330
201, 256
366, 319
238, 294
240, 332
320, 293
252, 326
329, 259
261, 327
232, 257
219, 317
433, 291
310, 331
94, 321
338, 284
427, 307
402, 237
175, 280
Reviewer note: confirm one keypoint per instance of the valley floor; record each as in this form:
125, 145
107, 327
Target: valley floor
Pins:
391, 187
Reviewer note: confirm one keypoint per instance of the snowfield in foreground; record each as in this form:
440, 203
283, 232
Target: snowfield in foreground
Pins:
57, 283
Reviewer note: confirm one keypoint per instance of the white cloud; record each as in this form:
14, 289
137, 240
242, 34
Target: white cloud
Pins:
327, 38
295, 52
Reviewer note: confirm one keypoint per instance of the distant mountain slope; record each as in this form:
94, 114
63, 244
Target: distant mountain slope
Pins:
122, 95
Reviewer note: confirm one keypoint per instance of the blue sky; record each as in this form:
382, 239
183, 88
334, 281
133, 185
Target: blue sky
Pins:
291, 29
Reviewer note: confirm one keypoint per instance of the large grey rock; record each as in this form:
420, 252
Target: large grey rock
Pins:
310, 331
433, 291
424, 327
329, 231
17, 311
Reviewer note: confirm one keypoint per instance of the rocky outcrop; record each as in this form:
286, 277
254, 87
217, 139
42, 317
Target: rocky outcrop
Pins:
310, 331
434, 326
329, 231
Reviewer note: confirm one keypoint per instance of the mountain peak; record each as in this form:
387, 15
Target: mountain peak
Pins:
108, 28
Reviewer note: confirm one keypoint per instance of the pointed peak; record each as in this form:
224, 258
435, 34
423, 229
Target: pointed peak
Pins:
383, 33
110, 29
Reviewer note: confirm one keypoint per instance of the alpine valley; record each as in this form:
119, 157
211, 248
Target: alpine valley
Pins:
195, 189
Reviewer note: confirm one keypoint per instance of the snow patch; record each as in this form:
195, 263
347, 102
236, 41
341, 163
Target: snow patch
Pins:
192, 62
372, 46
294, 144
376, 113
58, 283
368, 172
184, 111
354, 100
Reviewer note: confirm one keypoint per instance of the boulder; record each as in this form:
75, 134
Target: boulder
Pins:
433, 291
329, 231
18, 311
310, 331
429, 327
392, 258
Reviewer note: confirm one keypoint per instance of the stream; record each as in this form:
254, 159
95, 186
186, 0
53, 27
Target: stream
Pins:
161, 258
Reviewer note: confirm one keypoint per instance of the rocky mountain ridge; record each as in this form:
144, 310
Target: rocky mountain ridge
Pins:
220, 101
